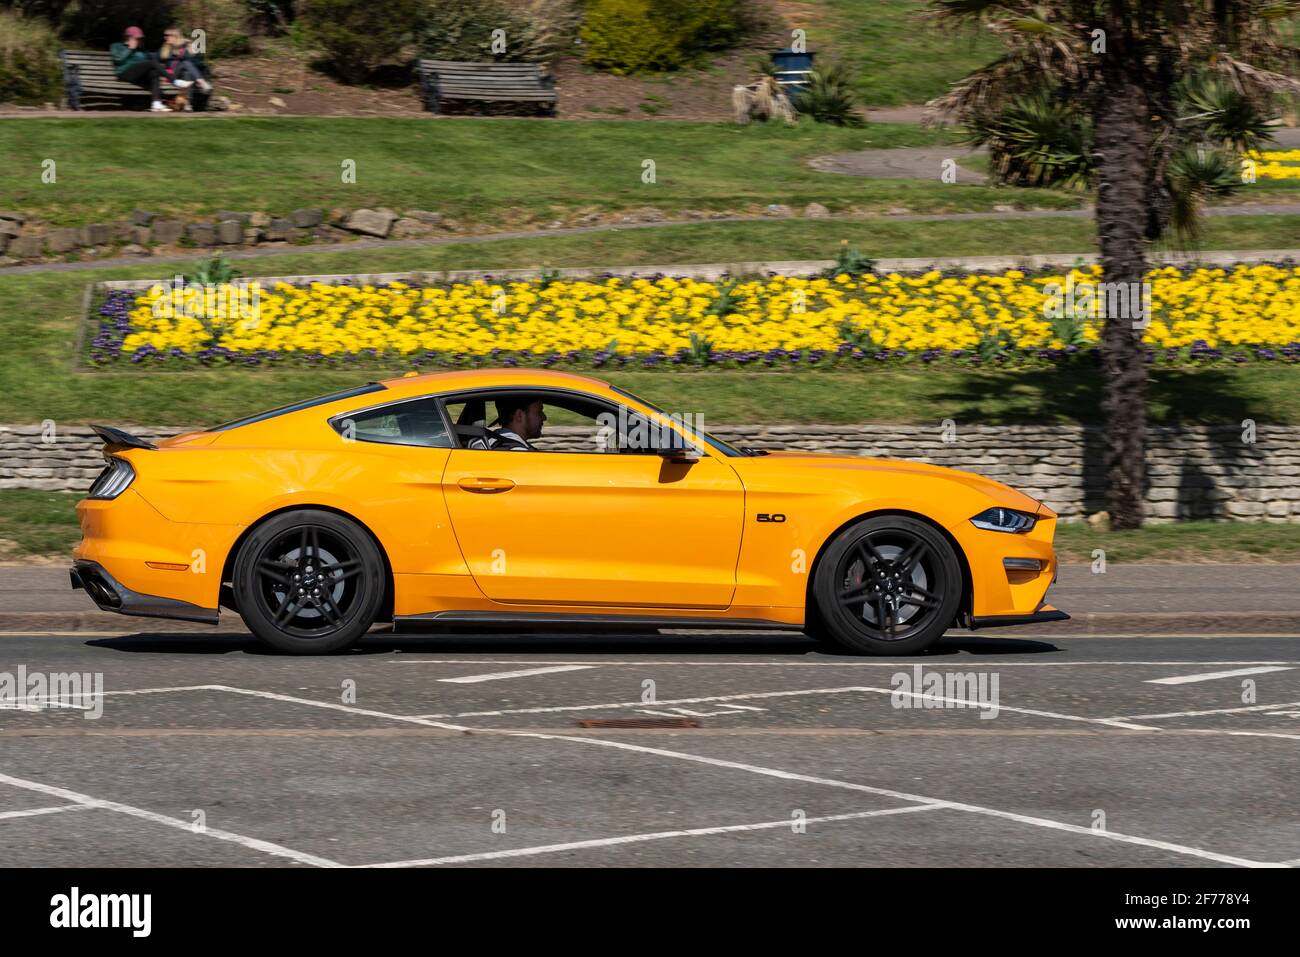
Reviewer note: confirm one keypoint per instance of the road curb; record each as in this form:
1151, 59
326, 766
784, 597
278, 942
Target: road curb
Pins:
1081, 625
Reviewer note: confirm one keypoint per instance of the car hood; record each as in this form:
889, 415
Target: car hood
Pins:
819, 462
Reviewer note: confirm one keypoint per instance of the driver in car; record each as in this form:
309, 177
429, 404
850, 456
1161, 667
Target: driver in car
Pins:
520, 419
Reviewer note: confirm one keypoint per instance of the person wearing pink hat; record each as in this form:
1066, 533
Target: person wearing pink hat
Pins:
133, 64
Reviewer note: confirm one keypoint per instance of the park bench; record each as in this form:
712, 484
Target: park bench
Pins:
88, 76
443, 80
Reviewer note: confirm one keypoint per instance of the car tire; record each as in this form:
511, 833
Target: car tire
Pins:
887, 585
309, 582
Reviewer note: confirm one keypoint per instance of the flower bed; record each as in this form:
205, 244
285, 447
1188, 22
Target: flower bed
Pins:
1276, 164
1242, 313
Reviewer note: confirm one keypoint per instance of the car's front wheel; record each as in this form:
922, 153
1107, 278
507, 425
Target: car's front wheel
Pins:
887, 585
309, 582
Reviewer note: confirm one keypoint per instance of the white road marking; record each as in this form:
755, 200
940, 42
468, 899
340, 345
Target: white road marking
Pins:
1243, 734
638, 704
40, 703
499, 675
1110, 722
252, 843
652, 836
1212, 675
783, 775
33, 812
920, 798
963, 702
1197, 714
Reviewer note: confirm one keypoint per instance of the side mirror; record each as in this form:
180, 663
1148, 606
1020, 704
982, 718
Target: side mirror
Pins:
679, 456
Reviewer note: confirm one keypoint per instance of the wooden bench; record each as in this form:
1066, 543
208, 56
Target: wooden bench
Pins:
88, 76
443, 80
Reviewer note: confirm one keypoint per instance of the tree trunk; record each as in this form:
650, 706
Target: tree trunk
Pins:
1123, 137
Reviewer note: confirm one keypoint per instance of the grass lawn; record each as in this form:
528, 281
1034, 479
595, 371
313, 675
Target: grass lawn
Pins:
39, 524
34, 523
497, 170
898, 58
39, 316
1233, 542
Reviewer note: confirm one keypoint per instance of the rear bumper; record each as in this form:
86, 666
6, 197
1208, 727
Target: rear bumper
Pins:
111, 595
1044, 614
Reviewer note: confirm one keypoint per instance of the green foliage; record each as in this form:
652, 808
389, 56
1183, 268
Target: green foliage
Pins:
1220, 113
534, 30
272, 15
97, 23
1196, 175
994, 345
642, 36
700, 348
829, 97
1038, 140
1069, 328
727, 301
227, 44
859, 337
849, 262
29, 60
358, 36
213, 272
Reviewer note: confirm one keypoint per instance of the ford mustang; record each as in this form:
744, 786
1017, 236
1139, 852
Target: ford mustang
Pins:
541, 500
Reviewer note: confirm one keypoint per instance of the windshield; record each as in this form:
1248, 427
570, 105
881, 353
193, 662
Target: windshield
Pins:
713, 441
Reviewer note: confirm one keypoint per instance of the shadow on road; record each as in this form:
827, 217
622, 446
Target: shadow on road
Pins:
484, 643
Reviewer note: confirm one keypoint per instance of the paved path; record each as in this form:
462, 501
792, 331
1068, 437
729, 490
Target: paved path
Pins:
926, 162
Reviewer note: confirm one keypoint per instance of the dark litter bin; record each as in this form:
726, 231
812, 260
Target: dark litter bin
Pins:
792, 71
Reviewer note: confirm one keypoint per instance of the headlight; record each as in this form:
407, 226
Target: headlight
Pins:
1004, 520
113, 481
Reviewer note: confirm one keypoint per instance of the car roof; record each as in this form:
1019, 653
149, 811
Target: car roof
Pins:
412, 385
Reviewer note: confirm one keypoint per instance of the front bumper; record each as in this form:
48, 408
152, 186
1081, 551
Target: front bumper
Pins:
111, 595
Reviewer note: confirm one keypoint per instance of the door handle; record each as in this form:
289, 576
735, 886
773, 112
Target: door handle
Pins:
486, 485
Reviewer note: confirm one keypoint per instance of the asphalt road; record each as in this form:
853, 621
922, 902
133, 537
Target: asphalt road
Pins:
472, 750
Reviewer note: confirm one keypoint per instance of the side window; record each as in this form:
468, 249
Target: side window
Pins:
568, 422
416, 422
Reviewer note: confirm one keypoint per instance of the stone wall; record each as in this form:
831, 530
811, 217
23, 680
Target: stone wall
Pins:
1202, 472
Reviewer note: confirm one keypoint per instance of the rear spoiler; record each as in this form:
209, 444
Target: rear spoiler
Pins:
117, 439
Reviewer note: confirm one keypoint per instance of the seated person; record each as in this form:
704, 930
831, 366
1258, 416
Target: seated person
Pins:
519, 419
179, 64
133, 64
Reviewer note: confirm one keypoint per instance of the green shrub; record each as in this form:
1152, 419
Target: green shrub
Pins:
229, 44
534, 30
29, 61
829, 97
359, 35
97, 23
639, 36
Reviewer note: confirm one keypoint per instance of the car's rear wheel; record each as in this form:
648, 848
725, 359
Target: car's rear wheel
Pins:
887, 585
309, 582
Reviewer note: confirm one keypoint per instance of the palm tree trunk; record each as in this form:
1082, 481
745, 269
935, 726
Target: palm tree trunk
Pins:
1123, 138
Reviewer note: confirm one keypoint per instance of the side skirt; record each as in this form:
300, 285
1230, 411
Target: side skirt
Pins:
545, 620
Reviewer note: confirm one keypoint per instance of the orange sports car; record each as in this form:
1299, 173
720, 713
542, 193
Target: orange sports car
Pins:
537, 499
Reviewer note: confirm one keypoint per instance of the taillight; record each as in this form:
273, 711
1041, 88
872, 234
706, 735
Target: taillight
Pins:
113, 481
